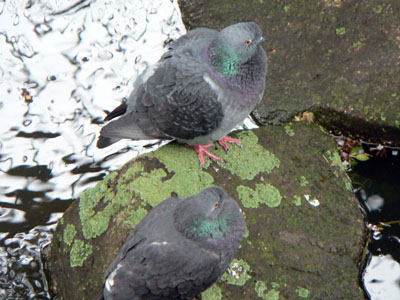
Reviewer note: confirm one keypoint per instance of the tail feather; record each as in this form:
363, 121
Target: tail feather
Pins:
104, 141
126, 127
118, 111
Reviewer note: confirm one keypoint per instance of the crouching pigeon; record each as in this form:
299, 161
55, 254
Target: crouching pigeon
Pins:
206, 84
179, 249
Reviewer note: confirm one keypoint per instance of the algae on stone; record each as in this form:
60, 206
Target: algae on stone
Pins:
264, 193
248, 161
237, 273
80, 251
95, 223
69, 234
281, 236
213, 293
263, 293
302, 292
296, 200
289, 130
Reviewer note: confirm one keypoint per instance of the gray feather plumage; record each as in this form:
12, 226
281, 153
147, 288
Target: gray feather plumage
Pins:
201, 88
165, 258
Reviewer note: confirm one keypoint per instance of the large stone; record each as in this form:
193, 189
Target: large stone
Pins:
339, 59
305, 230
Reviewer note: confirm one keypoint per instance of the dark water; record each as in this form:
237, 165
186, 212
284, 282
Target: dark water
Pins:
377, 183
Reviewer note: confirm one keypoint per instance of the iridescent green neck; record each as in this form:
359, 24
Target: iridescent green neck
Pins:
224, 60
205, 228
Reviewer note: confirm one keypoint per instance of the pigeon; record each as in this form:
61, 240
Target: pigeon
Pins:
179, 249
201, 88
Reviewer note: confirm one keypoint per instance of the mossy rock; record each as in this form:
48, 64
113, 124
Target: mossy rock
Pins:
338, 59
305, 230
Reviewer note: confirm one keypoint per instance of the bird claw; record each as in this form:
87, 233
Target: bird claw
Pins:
225, 139
202, 149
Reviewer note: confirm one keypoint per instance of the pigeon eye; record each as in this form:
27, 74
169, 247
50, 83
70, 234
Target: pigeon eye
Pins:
247, 42
216, 205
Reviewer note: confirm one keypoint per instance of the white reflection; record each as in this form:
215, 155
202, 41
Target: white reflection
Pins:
374, 202
382, 277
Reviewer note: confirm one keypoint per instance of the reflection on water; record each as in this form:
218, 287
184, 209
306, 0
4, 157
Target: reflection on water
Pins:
63, 64
379, 192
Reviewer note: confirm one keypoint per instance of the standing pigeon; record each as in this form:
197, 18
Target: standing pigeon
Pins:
179, 249
202, 87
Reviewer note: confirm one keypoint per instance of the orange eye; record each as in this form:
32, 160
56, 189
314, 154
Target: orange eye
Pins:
247, 42
216, 205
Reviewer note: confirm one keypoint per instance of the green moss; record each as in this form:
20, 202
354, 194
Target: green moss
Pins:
125, 189
213, 293
286, 8
303, 181
250, 160
341, 31
98, 223
94, 224
135, 216
238, 273
153, 188
334, 157
260, 288
289, 131
187, 178
358, 44
378, 9
323, 130
69, 234
150, 187
302, 292
264, 193
275, 285
246, 233
173, 156
79, 253
297, 200
348, 185
263, 293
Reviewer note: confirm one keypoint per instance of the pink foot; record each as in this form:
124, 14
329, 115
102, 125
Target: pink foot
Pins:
230, 140
202, 149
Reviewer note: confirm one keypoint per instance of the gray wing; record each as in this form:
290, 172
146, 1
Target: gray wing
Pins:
178, 101
165, 271
174, 102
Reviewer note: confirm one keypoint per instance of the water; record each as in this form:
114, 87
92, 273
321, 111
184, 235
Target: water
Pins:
377, 182
63, 64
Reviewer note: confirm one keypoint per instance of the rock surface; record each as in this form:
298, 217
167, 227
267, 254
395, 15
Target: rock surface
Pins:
339, 59
305, 230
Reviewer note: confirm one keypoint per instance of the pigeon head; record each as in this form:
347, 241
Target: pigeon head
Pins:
235, 46
210, 215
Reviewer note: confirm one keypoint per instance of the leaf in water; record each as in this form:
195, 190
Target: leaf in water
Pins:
361, 156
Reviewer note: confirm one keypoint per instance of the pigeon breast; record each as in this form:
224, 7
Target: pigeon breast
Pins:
159, 260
